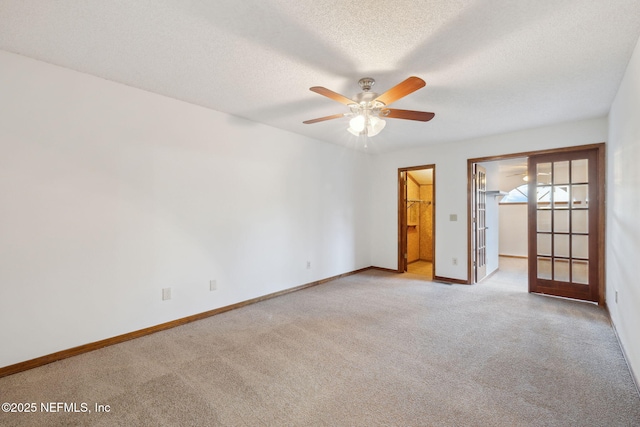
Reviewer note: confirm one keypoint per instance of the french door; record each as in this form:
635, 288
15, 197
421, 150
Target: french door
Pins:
565, 193
479, 220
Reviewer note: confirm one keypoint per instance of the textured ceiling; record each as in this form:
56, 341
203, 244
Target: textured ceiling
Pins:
491, 66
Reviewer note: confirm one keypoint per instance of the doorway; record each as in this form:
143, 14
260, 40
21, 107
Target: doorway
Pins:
499, 219
565, 204
416, 220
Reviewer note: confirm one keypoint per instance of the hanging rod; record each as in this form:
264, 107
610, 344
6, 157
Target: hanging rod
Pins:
413, 201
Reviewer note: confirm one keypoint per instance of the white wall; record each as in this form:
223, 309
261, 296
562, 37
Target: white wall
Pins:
492, 234
451, 186
109, 194
623, 205
513, 229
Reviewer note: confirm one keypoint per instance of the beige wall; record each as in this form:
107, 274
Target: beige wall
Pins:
420, 232
413, 231
426, 223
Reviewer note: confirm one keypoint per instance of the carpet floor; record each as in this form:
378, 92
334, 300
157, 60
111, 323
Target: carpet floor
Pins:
371, 349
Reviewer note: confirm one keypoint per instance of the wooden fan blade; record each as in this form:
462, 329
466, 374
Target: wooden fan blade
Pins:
400, 90
322, 119
420, 116
332, 95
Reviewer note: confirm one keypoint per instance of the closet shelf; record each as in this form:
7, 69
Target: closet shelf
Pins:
496, 193
411, 202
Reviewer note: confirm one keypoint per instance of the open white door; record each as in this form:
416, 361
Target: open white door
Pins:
479, 221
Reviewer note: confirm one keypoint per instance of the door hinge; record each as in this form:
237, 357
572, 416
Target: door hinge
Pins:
405, 256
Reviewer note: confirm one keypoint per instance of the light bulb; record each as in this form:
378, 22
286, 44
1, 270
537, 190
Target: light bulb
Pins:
375, 125
356, 124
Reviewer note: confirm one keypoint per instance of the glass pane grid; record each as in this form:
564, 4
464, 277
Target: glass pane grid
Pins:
562, 221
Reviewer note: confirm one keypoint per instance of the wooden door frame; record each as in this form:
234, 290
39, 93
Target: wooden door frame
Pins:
402, 217
601, 152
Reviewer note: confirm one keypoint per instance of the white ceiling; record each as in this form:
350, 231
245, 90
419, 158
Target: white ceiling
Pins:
491, 66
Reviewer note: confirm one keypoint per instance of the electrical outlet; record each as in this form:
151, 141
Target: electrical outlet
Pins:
166, 294
308, 265
454, 261
213, 285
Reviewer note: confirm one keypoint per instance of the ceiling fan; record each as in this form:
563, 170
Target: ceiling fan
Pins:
368, 109
525, 175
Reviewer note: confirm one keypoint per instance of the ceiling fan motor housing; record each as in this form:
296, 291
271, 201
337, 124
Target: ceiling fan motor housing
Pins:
366, 83
365, 104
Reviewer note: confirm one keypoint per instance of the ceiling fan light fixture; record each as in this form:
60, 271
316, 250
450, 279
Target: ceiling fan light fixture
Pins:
353, 132
365, 124
368, 108
357, 124
375, 125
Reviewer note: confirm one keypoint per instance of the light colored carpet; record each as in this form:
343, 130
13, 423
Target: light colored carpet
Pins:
370, 349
